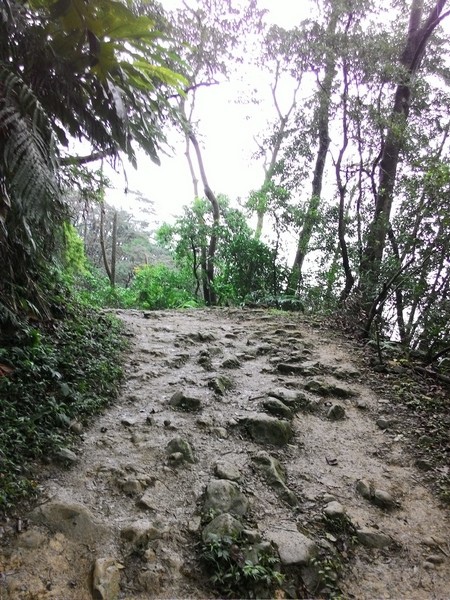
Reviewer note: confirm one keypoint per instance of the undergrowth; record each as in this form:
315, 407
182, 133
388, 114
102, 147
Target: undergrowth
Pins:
238, 572
50, 374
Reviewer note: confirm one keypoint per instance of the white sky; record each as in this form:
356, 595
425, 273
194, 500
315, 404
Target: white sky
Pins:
226, 131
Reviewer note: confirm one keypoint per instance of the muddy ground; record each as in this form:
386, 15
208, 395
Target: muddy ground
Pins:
132, 506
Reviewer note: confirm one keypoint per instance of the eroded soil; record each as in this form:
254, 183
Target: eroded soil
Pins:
125, 481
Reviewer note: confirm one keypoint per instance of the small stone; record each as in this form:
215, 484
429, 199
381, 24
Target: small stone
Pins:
76, 427
433, 542
220, 432
220, 385
425, 440
383, 499
147, 501
429, 566
106, 579
226, 470
275, 476
231, 363
194, 524
385, 423
424, 465
436, 559
371, 538
66, 455
75, 521
180, 401
327, 498
334, 510
131, 486
364, 488
182, 446
176, 459
336, 413
252, 535
277, 408
128, 421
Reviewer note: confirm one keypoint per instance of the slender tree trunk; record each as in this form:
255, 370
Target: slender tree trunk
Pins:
102, 243
211, 297
342, 187
279, 136
114, 250
207, 256
411, 59
311, 216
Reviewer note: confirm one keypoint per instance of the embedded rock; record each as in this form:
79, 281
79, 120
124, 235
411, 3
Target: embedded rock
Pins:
322, 388
183, 447
226, 470
334, 510
182, 402
264, 429
372, 538
364, 488
224, 496
75, 521
336, 413
294, 548
274, 474
231, 363
223, 525
383, 499
277, 408
106, 579
220, 385
141, 532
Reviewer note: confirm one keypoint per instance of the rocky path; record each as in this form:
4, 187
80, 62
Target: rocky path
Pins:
233, 421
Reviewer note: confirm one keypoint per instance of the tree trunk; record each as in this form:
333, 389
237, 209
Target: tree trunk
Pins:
342, 187
210, 297
411, 59
311, 216
102, 243
114, 250
279, 136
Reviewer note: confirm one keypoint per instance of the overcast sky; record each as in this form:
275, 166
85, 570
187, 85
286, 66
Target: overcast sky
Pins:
226, 131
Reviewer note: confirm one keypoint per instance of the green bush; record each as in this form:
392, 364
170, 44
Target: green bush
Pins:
94, 289
159, 287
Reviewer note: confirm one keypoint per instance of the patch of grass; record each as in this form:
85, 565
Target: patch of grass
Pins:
238, 570
53, 372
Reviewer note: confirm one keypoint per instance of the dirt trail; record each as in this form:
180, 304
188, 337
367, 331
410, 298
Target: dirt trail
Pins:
132, 507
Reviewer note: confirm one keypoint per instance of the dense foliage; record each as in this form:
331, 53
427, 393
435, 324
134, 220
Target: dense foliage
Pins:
52, 374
